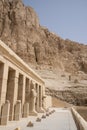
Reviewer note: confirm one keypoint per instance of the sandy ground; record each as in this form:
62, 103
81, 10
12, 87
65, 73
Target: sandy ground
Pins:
59, 103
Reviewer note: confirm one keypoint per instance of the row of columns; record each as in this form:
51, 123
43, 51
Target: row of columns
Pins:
19, 92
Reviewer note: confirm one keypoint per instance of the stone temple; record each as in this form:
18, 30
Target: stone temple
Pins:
22, 95
22, 91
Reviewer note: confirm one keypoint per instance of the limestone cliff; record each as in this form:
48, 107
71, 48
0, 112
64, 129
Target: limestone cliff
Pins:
43, 50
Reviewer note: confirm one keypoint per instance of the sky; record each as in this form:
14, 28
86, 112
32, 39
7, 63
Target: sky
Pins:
66, 18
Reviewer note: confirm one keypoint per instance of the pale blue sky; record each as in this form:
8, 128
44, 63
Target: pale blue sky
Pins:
67, 18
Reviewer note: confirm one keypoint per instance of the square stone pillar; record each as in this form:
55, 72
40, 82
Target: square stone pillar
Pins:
44, 102
17, 111
37, 98
21, 90
26, 110
32, 101
43, 98
12, 90
3, 82
27, 90
5, 113
41, 110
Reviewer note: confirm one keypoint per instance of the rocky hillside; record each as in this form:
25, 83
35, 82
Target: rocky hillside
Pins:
46, 52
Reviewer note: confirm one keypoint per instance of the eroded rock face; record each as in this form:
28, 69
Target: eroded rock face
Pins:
21, 31
72, 96
16, 24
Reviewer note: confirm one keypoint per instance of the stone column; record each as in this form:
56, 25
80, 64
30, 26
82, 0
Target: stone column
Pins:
12, 90
5, 113
21, 89
44, 102
43, 98
41, 110
37, 98
27, 90
33, 95
3, 82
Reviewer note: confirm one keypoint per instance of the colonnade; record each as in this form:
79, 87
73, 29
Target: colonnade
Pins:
21, 89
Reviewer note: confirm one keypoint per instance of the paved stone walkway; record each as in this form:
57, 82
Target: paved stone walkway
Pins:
60, 120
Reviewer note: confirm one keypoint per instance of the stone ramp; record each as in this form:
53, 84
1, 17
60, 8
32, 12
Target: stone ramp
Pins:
60, 120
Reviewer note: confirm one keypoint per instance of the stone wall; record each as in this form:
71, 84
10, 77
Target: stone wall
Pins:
76, 96
48, 101
81, 123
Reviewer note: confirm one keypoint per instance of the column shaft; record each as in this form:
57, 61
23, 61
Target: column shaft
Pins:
3, 83
21, 89
40, 99
37, 99
27, 90
12, 89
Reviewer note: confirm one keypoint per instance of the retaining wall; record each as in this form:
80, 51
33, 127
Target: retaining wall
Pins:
80, 122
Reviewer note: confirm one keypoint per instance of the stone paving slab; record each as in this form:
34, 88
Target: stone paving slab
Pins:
60, 120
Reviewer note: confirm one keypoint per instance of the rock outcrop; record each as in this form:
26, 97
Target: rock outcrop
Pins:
72, 96
41, 49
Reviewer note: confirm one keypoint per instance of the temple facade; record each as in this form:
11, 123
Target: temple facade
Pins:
22, 91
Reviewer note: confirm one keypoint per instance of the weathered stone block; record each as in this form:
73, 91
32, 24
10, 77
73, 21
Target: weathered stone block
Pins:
30, 124
43, 116
26, 110
38, 119
5, 113
33, 113
17, 128
17, 114
47, 114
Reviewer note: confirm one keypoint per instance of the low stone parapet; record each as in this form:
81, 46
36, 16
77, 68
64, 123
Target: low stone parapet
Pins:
80, 122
